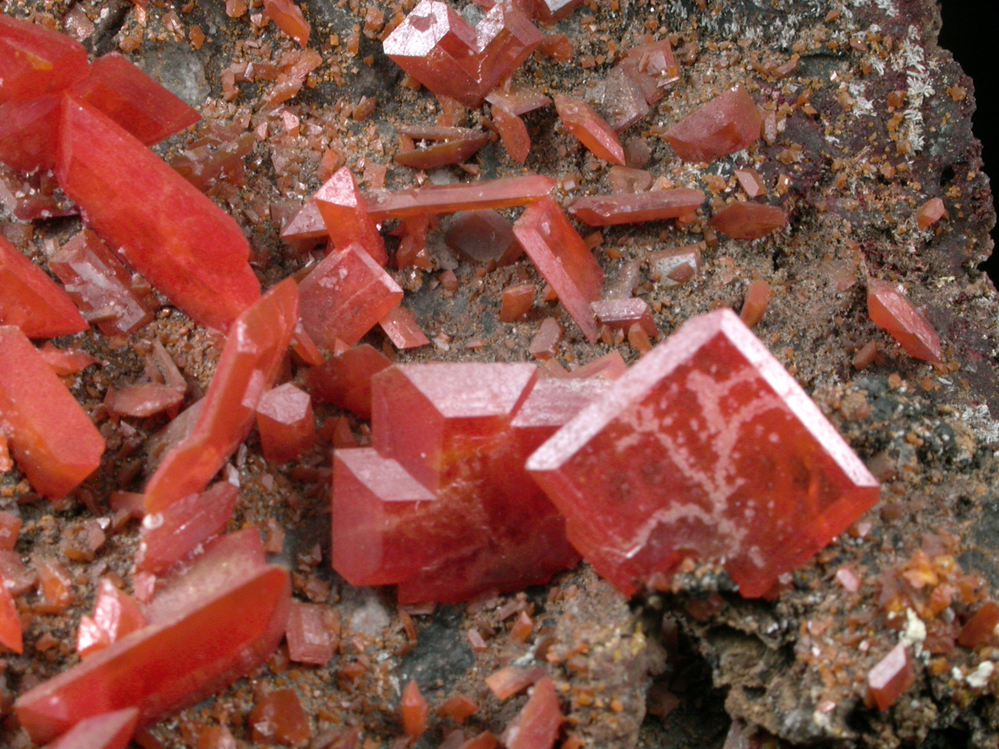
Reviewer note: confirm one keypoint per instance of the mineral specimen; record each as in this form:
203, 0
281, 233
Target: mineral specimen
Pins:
635, 208
589, 128
346, 218
728, 123
892, 311
748, 220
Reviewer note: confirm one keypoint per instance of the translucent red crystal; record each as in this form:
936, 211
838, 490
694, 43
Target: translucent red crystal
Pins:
32, 301
442, 51
111, 730
286, 423
345, 380
453, 146
889, 679
227, 622
728, 123
751, 181
674, 267
35, 61
132, 198
310, 639
278, 718
980, 628
116, 614
652, 67
513, 133
563, 259
754, 306
414, 710
28, 133
748, 220
537, 724
590, 128
930, 212
892, 311
253, 351
100, 285
634, 208
484, 236
11, 635
345, 216
402, 329
51, 437
288, 17
506, 192
516, 302
345, 297
706, 449
623, 313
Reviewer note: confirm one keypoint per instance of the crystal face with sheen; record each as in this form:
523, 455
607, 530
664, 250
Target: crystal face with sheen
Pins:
707, 449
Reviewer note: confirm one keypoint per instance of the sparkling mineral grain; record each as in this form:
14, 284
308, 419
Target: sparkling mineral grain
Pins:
705, 449
100, 285
254, 349
32, 301
728, 123
892, 311
563, 259
132, 199
635, 208
51, 437
345, 297
748, 220
589, 128
346, 217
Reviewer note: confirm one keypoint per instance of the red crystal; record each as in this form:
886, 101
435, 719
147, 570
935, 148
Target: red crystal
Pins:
728, 123
32, 301
402, 329
11, 635
100, 285
748, 220
132, 199
278, 718
345, 216
254, 349
51, 437
546, 339
116, 614
619, 98
507, 192
706, 449
456, 147
608, 367
623, 313
105, 731
563, 259
28, 133
135, 101
345, 380
485, 236
590, 128
518, 100
930, 212
751, 182
310, 639
634, 208
35, 61
981, 628
286, 423
516, 302
442, 51
345, 297
288, 17
653, 67
537, 724
10, 526
889, 678
142, 400
891, 310
754, 306
513, 132
674, 267
228, 628
414, 709
54, 584
172, 535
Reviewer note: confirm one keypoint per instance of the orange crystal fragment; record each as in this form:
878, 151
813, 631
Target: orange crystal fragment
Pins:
32, 301
546, 339
288, 17
674, 267
484, 236
51, 437
111, 730
278, 718
754, 306
346, 218
537, 724
286, 423
930, 212
516, 302
590, 128
414, 710
454, 150
889, 678
11, 636
345, 297
892, 311
981, 628
257, 342
748, 220
510, 680
751, 182
653, 67
513, 133
402, 329
459, 708
728, 123
310, 639
623, 313
54, 584
10, 526
707, 448
563, 259
634, 208
345, 380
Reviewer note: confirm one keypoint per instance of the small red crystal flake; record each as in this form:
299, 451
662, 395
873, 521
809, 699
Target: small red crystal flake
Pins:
345, 215
748, 220
892, 311
286, 423
708, 449
589, 128
891, 676
635, 208
728, 123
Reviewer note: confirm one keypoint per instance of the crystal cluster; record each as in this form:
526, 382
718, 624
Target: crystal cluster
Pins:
707, 450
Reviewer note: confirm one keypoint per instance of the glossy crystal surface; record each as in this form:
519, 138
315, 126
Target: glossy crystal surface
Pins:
345, 297
484, 236
707, 448
51, 437
257, 342
32, 301
634, 208
537, 724
345, 380
35, 61
506, 192
286, 423
105, 731
345, 216
401, 328
892, 311
748, 220
890, 678
589, 128
563, 259
728, 123
116, 615
132, 198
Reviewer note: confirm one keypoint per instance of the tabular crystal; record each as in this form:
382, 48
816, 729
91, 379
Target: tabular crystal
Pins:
726, 124
346, 217
891, 310
590, 128
748, 220
707, 448
635, 208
